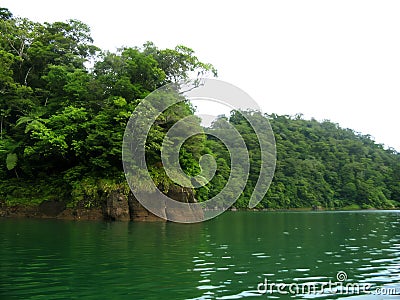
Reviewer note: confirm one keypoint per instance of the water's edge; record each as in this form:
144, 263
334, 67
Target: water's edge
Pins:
51, 210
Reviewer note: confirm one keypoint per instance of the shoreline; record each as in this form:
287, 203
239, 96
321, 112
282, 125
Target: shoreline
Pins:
97, 214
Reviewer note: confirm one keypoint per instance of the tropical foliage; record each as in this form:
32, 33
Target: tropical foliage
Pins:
318, 164
64, 105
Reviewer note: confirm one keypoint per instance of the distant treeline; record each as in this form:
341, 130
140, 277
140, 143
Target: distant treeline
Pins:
64, 105
322, 165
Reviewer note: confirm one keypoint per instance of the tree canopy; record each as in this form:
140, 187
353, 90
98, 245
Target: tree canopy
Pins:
319, 164
64, 105
62, 122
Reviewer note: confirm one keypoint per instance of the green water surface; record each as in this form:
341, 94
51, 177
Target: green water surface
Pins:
224, 258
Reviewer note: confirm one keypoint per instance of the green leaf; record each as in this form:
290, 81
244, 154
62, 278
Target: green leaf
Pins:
11, 161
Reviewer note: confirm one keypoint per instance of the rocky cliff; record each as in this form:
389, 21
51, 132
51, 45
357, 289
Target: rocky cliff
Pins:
116, 206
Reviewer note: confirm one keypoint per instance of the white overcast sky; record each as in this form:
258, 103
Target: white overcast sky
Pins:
336, 60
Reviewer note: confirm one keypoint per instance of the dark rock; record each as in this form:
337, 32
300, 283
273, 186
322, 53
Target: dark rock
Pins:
116, 207
181, 194
187, 214
51, 208
81, 214
139, 213
155, 203
317, 207
21, 211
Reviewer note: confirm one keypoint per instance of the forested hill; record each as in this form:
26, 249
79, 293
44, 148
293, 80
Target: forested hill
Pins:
62, 124
323, 165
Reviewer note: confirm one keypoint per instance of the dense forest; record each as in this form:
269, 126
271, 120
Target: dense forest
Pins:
64, 105
320, 164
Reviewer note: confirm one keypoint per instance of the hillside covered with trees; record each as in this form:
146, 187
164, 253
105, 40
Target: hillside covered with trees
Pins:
318, 164
64, 105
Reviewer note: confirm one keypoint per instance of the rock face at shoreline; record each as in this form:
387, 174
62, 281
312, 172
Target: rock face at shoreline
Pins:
51, 208
185, 195
19, 211
116, 207
180, 194
139, 213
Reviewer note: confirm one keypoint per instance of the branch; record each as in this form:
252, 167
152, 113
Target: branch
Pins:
26, 76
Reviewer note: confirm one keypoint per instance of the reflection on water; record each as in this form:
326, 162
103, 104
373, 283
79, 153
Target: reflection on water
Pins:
224, 258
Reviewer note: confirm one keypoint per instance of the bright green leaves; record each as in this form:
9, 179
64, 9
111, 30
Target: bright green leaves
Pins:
56, 79
135, 72
56, 135
61, 119
119, 101
66, 43
11, 161
6, 73
130, 73
179, 63
77, 84
142, 69
39, 46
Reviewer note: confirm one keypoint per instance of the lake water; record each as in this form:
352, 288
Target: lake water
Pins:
224, 258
